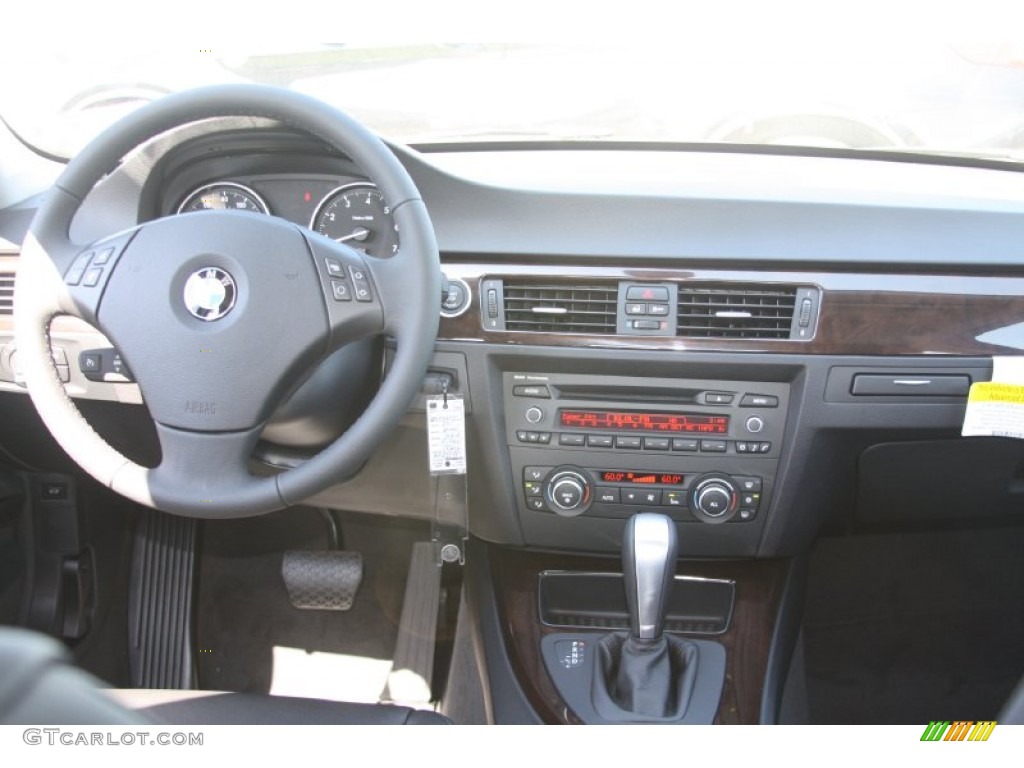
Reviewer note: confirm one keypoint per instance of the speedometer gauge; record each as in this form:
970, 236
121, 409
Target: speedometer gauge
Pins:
224, 196
356, 214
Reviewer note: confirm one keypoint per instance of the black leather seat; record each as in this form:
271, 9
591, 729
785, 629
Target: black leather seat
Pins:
39, 686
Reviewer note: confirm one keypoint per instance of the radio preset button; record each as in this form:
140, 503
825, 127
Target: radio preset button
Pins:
655, 443
632, 443
569, 439
683, 444
599, 441
713, 446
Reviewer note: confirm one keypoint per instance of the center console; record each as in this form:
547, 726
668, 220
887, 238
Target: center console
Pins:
589, 451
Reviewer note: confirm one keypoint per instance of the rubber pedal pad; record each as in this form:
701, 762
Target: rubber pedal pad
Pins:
322, 580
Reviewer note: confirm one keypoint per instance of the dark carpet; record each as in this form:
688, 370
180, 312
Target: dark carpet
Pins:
909, 628
243, 608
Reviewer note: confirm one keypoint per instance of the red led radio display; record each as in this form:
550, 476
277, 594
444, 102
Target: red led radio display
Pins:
646, 422
640, 478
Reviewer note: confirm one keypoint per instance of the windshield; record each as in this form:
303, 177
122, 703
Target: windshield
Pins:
906, 93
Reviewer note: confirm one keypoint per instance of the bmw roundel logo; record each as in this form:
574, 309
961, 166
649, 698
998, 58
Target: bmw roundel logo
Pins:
210, 293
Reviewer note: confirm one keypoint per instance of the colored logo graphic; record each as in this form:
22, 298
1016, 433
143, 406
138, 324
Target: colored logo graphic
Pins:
960, 730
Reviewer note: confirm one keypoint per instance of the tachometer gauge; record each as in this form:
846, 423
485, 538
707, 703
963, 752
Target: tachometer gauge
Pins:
224, 196
356, 214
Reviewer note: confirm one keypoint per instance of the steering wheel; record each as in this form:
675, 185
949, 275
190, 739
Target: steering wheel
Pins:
219, 315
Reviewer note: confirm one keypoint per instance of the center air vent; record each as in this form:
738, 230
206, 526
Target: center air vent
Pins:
736, 311
550, 308
6, 293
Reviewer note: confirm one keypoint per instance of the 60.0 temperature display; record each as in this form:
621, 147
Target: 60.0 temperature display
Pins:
640, 478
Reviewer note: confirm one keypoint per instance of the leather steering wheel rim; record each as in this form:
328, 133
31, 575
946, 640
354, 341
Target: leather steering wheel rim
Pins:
204, 468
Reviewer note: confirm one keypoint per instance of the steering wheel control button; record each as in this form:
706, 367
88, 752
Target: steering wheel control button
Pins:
92, 277
360, 284
759, 401
102, 257
91, 364
210, 294
340, 290
77, 270
104, 365
755, 424
334, 268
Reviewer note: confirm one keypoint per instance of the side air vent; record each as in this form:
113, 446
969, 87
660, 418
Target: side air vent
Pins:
736, 311
6, 293
551, 308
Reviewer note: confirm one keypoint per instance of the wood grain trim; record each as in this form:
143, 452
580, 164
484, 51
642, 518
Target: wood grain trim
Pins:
861, 313
759, 587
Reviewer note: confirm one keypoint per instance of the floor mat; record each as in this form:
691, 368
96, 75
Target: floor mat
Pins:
911, 628
250, 638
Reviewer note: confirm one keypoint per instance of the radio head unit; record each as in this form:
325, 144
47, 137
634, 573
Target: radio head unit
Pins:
587, 446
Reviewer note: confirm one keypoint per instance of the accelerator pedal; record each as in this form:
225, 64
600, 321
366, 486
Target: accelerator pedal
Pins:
322, 580
161, 596
411, 678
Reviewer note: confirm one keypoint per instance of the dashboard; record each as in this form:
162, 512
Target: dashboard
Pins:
719, 335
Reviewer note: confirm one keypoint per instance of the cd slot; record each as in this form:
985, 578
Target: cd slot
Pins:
629, 394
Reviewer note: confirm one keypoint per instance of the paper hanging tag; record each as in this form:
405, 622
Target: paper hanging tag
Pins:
446, 434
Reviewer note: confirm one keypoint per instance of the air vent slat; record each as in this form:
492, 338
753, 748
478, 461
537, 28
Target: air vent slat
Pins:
6, 293
553, 308
736, 311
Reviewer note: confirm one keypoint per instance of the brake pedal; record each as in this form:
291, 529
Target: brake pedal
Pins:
322, 580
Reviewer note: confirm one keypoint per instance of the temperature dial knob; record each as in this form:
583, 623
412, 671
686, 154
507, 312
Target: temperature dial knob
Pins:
568, 491
714, 498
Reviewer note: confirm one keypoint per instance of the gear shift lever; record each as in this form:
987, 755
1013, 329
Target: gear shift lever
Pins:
648, 567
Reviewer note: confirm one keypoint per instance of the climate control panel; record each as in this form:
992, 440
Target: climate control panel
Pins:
706, 497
